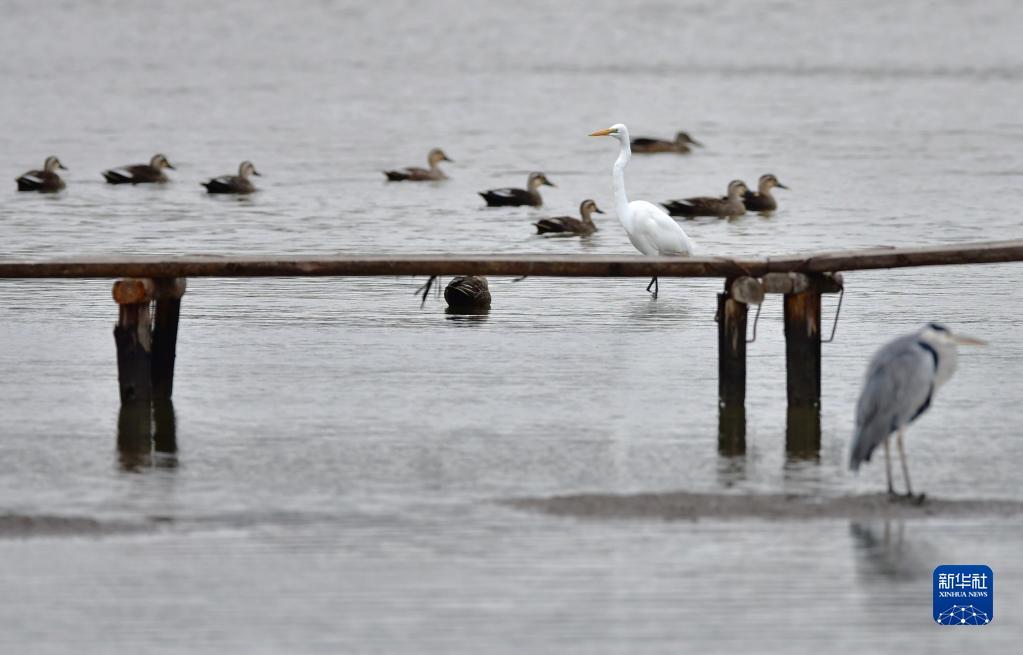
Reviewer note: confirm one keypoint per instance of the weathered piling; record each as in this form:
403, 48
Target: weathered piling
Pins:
133, 336
145, 356
803, 348
731, 350
165, 334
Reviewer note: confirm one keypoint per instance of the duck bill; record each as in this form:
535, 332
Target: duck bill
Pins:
255, 172
781, 186
695, 142
964, 340
606, 132
598, 210
171, 166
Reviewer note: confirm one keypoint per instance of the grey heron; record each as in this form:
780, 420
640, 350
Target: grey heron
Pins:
900, 384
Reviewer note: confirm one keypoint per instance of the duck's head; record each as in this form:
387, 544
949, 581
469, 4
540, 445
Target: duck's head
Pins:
159, 161
437, 155
618, 131
538, 179
588, 207
246, 168
52, 163
683, 139
737, 188
769, 181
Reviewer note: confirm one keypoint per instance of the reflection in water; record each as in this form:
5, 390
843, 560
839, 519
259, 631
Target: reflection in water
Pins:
882, 549
803, 433
147, 435
467, 316
731, 430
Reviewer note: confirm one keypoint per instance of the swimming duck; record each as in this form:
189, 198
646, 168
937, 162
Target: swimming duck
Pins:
468, 292
569, 225
46, 180
239, 183
730, 205
761, 200
680, 144
415, 174
518, 197
139, 173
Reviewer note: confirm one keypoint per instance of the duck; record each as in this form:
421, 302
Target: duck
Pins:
509, 197
761, 200
727, 207
44, 181
468, 292
680, 144
568, 225
416, 174
239, 183
140, 173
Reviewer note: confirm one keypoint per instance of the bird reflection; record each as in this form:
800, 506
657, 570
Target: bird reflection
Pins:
147, 435
882, 549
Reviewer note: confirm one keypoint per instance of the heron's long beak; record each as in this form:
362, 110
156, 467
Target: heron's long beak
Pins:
602, 132
964, 340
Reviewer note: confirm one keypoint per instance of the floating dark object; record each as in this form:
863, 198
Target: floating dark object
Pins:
140, 173
44, 181
680, 145
730, 205
569, 225
509, 197
467, 292
415, 174
239, 183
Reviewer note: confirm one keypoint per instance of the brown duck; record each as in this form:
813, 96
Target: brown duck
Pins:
140, 173
239, 183
44, 181
729, 206
761, 200
681, 144
509, 197
416, 174
567, 225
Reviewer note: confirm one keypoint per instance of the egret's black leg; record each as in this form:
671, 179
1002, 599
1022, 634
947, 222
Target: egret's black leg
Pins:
653, 283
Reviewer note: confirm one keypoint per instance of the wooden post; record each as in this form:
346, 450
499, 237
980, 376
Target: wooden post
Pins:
165, 333
731, 349
803, 432
133, 337
803, 347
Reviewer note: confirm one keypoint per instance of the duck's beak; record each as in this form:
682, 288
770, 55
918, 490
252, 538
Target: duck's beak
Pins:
695, 142
781, 186
602, 132
598, 209
964, 340
446, 158
171, 166
549, 183
61, 166
255, 172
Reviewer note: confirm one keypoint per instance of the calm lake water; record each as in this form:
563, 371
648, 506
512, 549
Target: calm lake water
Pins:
342, 454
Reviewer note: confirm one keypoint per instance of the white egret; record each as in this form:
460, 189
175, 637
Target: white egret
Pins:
900, 385
649, 227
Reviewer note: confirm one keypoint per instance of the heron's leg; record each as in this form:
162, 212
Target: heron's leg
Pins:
905, 466
888, 467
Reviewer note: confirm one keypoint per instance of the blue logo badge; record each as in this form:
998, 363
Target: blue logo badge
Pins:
964, 594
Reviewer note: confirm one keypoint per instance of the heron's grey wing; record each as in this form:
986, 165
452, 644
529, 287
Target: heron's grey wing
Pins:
897, 388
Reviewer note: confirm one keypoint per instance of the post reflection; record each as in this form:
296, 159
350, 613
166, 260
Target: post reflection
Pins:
467, 316
147, 435
731, 430
803, 433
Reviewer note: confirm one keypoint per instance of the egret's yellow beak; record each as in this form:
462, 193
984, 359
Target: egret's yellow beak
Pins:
963, 340
603, 132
